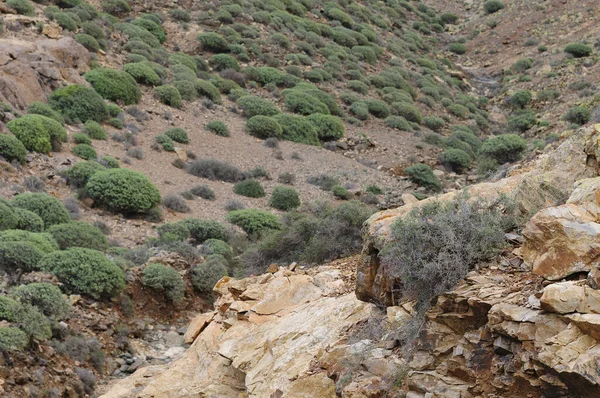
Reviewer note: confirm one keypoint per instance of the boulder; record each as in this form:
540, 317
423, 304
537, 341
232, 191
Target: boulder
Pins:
569, 297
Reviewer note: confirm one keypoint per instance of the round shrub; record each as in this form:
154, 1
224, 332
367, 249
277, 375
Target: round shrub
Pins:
201, 230
434, 123
407, 111
520, 99
79, 104
28, 221
297, 129
328, 127
522, 64
19, 258
12, 339
208, 90
168, 95
422, 175
263, 127
94, 130
253, 106
503, 148
79, 174
85, 151
264, 75
114, 85
166, 142
492, 6
12, 149
219, 247
398, 123
44, 296
10, 310
218, 127
579, 115
221, 62
142, 73
47, 207
41, 108
284, 198
459, 110
360, 110
23, 7
123, 190
213, 42
81, 138
521, 121
304, 104
78, 234
32, 132
249, 188
378, 108
41, 241
204, 192
177, 134
162, 277
186, 89
152, 27
340, 192
89, 42
358, 86
457, 48
253, 220
457, 159
173, 232
8, 218
109, 162
85, 271
115, 7
206, 275
578, 50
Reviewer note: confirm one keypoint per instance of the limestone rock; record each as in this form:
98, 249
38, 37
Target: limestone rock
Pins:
51, 30
197, 326
568, 297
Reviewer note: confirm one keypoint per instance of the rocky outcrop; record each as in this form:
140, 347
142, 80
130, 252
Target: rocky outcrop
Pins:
276, 335
29, 71
547, 182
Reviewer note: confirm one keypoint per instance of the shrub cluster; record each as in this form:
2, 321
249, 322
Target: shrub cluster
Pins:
38, 133
264, 127
78, 234
422, 175
114, 85
12, 149
47, 207
162, 277
123, 190
213, 169
503, 148
79, 104
254, 221
218, 127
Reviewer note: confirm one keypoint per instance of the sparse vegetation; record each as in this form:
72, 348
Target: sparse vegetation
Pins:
218, 127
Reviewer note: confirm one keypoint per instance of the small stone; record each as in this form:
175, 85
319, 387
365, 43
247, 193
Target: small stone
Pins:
273, 268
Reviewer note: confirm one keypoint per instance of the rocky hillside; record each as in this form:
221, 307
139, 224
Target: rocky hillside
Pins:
149, 151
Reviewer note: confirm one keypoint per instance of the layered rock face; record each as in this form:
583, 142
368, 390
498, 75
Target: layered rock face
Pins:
29, 71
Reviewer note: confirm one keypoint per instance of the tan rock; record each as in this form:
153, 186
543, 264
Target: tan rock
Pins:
273, 268
586, 191
568, 297
285, 293
181, 153
409, 198
587, 323
197, 326
317, 385
52, 30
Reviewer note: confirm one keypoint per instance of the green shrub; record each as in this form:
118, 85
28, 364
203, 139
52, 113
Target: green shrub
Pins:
23, 7
10, 310
328, 127
114, 85
19, 258
90, 43
218, 127
12, 339
249, 188
180, 15
407, 111
358, 86
85, 271
263, 75
459, 110
203, 191
12, 149
521, 121
37, 132
45, 297
168, 95
340, 192
94, 30
208, 90
492, 6
79, 104
8, 218
221, 62
202, 230
109, 162
253, 106
161, 277
152, 27
360, 110
253, 220
43, 242
213, 42
79, 174
115, 7
434, 123
215, 170
165, 142
284, 198
85, 151
523, 64
398, 123
578, 50
94, 130
206, 275
41, 108
177, 134
183, 59
579, 115
457, 48
263, 127
47, 207
503, 148
28, 220
78, 234
520, 99
374, 189
297, 129
123, 190
365, 53
142, 73
303, 103
186, 89
116, 123
173, 232
218, 247
457, 159
422, 175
